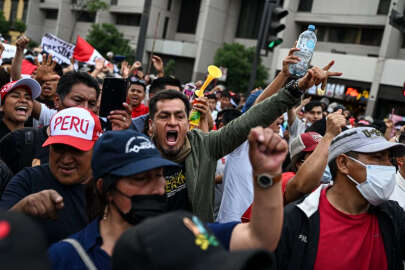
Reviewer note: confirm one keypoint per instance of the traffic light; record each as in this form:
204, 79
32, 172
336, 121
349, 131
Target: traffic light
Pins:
274, 26
397, 20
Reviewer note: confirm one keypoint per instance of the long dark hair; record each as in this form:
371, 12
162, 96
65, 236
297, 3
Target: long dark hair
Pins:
97, 200
292, 167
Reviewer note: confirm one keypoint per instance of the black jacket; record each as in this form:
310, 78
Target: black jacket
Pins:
5, 176
20, 147
298, 245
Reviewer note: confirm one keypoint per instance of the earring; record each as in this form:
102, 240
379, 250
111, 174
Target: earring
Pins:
105, 213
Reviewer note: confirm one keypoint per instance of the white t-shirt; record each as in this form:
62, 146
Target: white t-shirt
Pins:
219, 188
238, 186
398, 194
44, 117
297, 128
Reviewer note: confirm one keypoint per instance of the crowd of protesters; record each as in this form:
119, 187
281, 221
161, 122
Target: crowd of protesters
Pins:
270, 179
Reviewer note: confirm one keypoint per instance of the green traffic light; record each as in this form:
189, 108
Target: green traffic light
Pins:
275, 43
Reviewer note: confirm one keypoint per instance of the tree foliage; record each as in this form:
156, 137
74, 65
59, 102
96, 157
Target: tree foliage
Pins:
19, 26
91, 6
4, 25
83, 6
170, 67
32, 44
238, 59
106, 37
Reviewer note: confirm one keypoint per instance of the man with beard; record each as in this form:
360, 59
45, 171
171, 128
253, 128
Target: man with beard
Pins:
191, 186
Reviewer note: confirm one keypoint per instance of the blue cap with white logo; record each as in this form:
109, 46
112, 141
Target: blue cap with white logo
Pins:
125, 153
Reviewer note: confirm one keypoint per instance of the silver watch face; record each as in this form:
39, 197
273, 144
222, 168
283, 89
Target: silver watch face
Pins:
264, 181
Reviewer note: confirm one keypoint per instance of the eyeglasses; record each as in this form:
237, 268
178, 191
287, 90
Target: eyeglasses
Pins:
134, 79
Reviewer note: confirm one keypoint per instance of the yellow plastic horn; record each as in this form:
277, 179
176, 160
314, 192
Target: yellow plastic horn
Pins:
320, 92
213, 73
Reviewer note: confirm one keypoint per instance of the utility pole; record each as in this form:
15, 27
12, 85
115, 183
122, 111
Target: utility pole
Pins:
140, 46
267, 39
259, 43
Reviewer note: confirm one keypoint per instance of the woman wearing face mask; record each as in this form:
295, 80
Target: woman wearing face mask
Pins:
128, 187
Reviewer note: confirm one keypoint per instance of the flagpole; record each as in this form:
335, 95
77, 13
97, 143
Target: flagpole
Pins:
140, 46
153, 44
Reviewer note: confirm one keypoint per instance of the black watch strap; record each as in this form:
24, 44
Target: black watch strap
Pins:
293, 88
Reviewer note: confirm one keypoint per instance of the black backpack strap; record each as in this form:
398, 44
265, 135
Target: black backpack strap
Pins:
5, 176
29, 146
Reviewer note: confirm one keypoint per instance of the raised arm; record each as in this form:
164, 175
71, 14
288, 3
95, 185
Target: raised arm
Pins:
222, 142
281, 77
98, 67
267, 152
206, 121
158, 65
21, 44
310, 173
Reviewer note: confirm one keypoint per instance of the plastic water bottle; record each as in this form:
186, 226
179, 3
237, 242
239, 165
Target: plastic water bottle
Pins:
306, 44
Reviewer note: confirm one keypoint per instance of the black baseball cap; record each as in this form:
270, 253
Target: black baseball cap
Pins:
22, 243
125, 153
179, 240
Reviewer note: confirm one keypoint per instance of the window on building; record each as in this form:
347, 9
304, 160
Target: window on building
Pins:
403, 41
343, 35
165, 27
114, 2
384, 7
189, 12
13, 13
305, 5
169, 5
24, 19
371, 36
351, 35
132, 19
249, 19
84, 16
51, 14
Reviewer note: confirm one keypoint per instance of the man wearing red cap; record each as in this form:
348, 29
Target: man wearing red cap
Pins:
16, 99
54, 193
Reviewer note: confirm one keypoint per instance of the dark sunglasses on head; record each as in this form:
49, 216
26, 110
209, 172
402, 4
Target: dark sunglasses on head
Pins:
136, 80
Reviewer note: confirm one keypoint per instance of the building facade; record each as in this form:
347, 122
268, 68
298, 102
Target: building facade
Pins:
14, 10
356, 34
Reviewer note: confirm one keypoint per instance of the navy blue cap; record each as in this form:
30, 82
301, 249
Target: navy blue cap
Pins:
251, 100
125, 153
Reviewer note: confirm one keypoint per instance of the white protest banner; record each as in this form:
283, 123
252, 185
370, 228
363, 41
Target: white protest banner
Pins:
9, 51
61, 50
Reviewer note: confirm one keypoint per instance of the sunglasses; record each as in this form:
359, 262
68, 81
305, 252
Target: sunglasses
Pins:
137, 80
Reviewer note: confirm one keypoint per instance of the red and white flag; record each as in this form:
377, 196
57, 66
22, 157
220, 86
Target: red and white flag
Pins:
84, 52
27, 68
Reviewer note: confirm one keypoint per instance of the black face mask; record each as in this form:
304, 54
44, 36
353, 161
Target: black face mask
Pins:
143, 207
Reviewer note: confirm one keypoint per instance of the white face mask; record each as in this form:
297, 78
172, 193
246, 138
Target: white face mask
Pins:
379, 184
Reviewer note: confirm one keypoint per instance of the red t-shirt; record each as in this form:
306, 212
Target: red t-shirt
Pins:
348, 241
285, 177
139, 110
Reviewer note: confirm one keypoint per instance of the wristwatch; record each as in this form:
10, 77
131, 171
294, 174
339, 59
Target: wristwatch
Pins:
265, 180
294, 89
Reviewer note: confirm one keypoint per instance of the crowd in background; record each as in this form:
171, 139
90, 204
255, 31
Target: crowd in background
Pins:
270, 178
